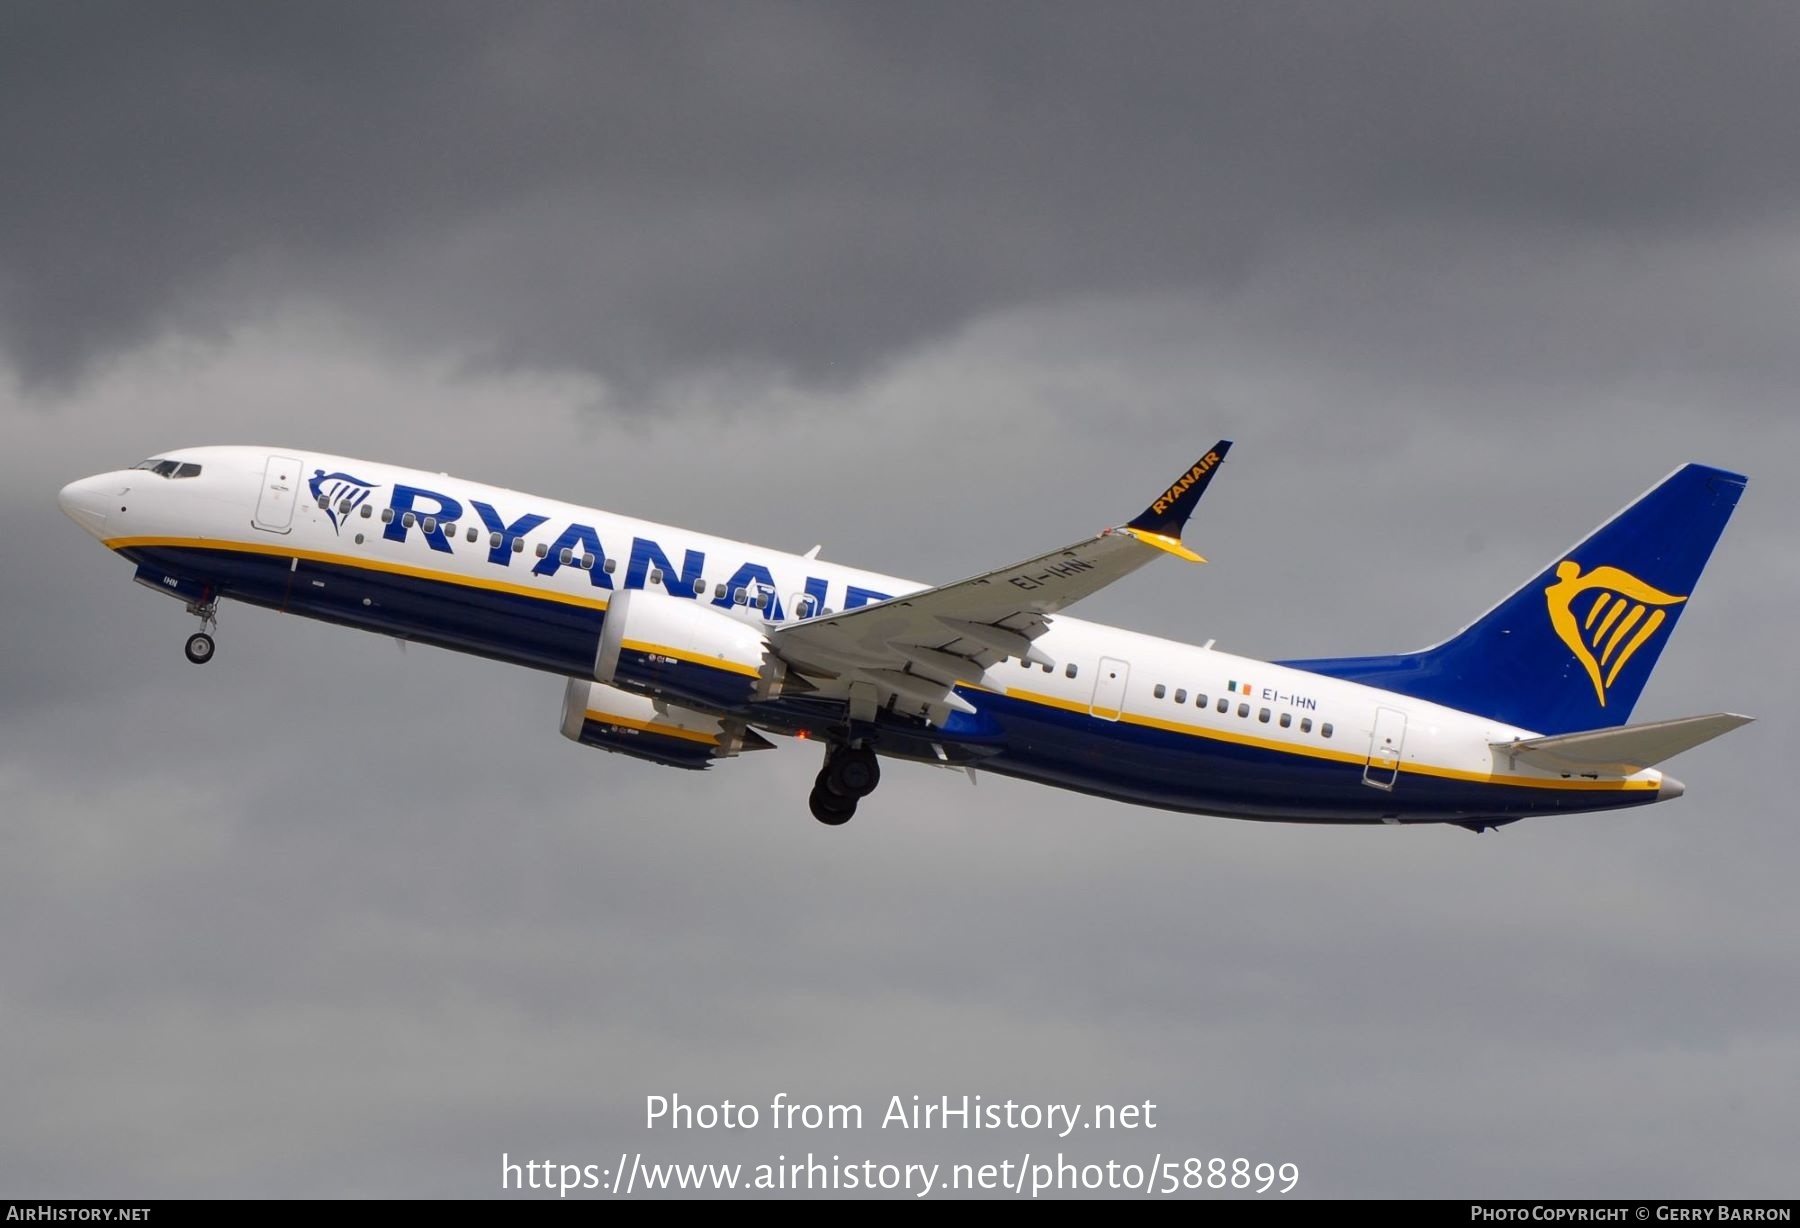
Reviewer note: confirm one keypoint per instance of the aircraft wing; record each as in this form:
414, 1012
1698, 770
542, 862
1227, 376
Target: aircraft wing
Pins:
917, 647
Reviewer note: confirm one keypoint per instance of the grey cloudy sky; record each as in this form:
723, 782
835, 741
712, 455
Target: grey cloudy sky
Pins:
940, 285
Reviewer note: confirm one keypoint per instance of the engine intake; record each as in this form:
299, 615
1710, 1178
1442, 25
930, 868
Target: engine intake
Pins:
664, 645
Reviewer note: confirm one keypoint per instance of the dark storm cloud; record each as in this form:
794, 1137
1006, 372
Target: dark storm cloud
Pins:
633, 189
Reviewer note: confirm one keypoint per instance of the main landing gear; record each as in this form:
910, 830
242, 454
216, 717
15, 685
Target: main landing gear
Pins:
849, 775
200, 644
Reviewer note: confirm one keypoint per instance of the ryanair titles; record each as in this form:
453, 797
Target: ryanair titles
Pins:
428, 512
1168, 498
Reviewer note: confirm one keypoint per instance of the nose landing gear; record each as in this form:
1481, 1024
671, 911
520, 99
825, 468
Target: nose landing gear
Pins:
849, 775
200, 645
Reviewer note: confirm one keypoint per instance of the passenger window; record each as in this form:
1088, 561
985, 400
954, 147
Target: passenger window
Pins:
565, 556
473, 534
494, 540
387, 515
1160, 690
430, 525
344, 508
739, 597
1287, 719
699, 587
1200, 701
718, 589
610, 566
409, 520
1224, 706
1046, 668
1024, 664
1325, 730
542, 549
587, 562
1306, 724
450, 529
367, 511
518, 545
1072, 670
1180, 696
762, 601
1243, 709
324, 503
656, 575
1263, 715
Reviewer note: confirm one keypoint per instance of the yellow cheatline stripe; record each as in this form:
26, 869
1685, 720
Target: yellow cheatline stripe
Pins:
1338, 756
695, 658
667, 731
1163, 541
599, 603
228, 546
1049, 701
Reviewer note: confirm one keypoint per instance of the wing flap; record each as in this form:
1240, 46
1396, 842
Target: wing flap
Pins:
1623, 749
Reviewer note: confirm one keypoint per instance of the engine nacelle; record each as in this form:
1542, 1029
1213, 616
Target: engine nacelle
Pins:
664, 645
595, 714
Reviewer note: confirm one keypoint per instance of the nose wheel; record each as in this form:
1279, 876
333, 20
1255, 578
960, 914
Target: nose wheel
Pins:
200, 645
849, 775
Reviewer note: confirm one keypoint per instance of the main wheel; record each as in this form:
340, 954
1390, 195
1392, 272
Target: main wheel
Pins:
829, 809
200, 648
852, 774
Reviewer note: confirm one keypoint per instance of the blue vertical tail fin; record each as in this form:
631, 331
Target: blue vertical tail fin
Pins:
1573, 648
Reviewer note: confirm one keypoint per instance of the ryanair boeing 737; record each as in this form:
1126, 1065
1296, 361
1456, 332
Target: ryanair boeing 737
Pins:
683, 649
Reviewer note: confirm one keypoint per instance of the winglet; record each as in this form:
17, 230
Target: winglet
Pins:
1161, 523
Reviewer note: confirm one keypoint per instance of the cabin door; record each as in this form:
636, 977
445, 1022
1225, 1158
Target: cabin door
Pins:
1385, 744
281, 486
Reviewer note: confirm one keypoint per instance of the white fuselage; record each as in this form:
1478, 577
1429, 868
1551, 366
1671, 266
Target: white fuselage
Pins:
1138, 698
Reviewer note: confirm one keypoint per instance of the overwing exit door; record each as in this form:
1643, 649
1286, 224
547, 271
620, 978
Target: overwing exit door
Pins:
1109, 689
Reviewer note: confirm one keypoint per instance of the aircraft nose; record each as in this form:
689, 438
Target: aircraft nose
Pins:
1670, 788
85, 503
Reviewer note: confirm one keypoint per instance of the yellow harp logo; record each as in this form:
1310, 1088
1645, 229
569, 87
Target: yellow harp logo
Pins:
1623, 614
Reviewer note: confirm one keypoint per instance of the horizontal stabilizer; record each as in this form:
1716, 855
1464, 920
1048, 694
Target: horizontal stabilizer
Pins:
1623, 749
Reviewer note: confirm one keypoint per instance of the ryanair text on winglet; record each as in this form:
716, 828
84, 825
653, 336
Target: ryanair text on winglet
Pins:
1193, 475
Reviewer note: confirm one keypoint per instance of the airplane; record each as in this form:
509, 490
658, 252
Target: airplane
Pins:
685, 649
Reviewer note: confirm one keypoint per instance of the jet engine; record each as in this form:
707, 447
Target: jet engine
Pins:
670, 646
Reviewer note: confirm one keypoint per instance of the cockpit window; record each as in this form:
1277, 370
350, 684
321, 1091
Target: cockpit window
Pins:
169, 468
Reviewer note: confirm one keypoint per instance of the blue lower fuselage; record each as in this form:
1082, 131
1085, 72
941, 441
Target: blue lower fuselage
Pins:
1118, 759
